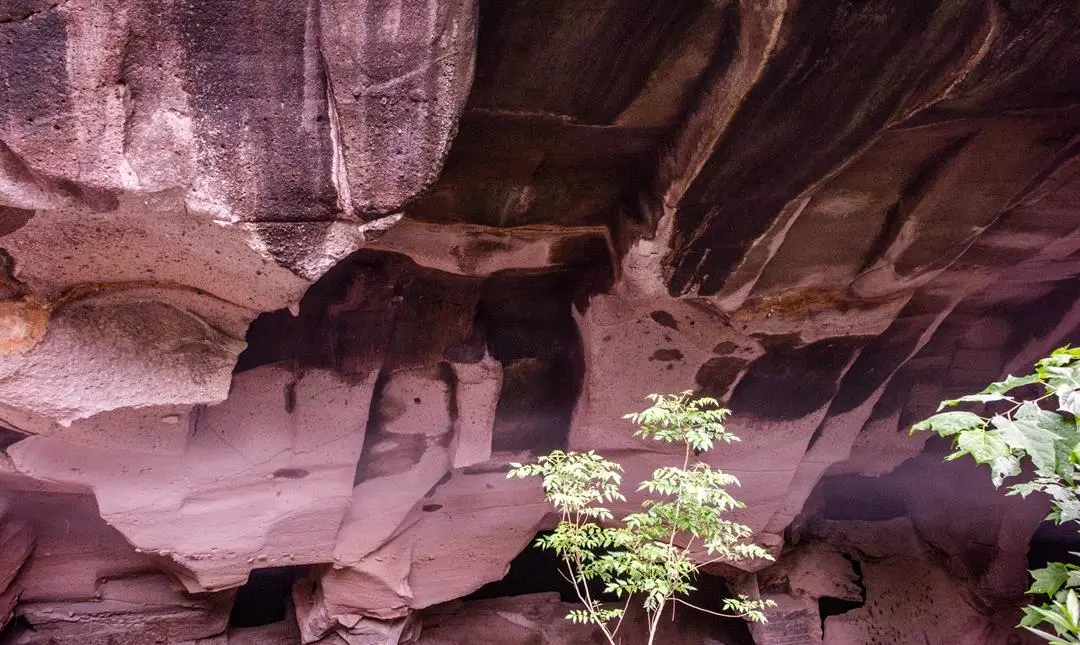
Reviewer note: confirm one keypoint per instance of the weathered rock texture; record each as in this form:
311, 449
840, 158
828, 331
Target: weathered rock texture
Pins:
286, 285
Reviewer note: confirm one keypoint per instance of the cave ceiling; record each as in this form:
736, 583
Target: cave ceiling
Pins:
286, 284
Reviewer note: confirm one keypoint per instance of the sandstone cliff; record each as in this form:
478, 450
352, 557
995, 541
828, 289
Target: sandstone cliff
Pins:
287, 283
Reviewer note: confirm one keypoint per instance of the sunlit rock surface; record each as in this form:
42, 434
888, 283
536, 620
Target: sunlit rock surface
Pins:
286, 286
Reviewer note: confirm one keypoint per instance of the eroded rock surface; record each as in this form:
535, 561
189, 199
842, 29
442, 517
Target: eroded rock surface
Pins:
286, 286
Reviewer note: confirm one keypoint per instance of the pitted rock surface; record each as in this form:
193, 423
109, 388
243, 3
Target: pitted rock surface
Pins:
286, 286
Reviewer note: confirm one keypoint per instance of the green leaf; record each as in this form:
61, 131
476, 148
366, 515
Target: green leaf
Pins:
1002, 468
1011, 383
1030, 619
1056, 615
1069, 401
983, 446
1035, 441
1050, 638
947, 424
1049, 579
1051, 421
1074, 577
1051, 441
1026, 488
972, 398
636, 558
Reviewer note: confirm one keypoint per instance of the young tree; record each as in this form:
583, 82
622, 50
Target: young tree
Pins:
647, 555
1042, 431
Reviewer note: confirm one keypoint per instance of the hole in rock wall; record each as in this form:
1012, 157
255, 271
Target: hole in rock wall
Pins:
828, 606
265, 597
716, 375
393, 457
16, 630
834, 607
9, 437
710, 592
664, 318
534, 570
272, 337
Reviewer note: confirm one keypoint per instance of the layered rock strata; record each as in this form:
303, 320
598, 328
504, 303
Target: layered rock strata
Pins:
285, 286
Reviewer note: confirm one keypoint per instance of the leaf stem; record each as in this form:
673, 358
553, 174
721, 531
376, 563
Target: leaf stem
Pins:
709, 611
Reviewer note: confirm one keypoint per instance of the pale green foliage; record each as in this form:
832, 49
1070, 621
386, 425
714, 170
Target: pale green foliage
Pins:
749, 608
1024, 430
647, 555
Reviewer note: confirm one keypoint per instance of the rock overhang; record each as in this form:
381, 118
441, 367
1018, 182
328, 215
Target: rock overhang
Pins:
468, 232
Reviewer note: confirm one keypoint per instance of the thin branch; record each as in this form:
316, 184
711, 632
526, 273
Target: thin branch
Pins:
588, 604
678, 499
626, 608
654, 623
585, 598
591, 606
709, 611
721, 558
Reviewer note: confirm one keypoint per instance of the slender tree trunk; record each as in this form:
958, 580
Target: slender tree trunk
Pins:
654, 622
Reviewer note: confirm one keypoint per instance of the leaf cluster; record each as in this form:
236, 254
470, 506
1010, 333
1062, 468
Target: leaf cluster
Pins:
1062, 614
646, 555
681, 418
1023, 430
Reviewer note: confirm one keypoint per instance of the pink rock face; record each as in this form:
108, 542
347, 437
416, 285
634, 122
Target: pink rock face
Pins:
287, 285
896, 570
398, 74
85, 583
245, 487
16, 543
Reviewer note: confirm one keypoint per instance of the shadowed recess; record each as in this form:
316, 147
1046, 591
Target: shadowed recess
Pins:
266, 597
